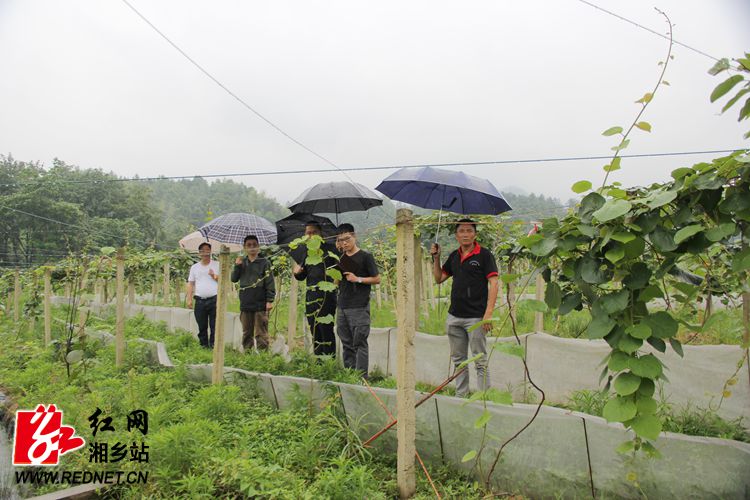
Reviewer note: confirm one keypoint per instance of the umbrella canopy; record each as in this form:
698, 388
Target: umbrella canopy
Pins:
232, 228
293, 227
438, 189
192, 241
336, 197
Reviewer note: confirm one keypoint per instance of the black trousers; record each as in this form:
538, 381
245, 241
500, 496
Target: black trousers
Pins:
205, 315
318, 305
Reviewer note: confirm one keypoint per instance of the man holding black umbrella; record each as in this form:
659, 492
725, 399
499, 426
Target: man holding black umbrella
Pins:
473, 295
319, 303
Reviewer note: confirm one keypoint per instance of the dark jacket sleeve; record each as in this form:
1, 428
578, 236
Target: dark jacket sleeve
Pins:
236, 272
269, 283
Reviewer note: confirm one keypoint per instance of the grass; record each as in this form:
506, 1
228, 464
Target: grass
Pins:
205, 441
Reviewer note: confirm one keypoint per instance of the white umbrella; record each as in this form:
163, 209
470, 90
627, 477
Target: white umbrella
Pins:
194, 239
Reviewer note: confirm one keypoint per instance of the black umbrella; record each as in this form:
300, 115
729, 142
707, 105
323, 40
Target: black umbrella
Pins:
293, 227
290, 228
336, 197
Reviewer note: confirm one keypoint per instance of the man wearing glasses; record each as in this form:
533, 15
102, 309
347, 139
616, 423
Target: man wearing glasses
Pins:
257, 293
203, 287
353, 316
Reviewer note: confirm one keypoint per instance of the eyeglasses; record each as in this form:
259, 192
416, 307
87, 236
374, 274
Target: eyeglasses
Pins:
344, 239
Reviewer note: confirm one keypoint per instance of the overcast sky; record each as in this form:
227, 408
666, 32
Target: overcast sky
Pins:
363, 84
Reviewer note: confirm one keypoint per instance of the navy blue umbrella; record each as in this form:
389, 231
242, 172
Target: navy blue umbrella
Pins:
438, 189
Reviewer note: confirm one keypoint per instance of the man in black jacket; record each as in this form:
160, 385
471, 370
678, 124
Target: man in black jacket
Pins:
257, 293
319, 303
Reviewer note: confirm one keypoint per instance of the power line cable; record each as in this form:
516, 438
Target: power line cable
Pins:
382, 167
622, 18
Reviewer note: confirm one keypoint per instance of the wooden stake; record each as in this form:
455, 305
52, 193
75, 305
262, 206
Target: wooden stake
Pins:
379, 296
165, 284
131, 292
539, 316
217, 376
120, 309
47, 306
511, 294
17, 296
746, 321
405, 381
154, 291
83, 315
291, 329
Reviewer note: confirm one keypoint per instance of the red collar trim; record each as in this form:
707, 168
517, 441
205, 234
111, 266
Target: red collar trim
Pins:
475, 251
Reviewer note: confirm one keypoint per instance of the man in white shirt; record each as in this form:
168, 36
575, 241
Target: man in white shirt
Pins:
203, 287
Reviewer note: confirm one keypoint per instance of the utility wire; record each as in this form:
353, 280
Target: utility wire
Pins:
379, 167
622, 18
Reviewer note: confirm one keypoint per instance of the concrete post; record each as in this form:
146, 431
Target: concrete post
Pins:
405, 382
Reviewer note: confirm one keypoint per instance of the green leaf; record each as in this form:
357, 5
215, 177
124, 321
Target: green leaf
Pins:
627, 383
473, 358
586, 230
623, 144
326, 286
534, 305
721, 65
623, 237
647, 366
646, 405
614, 302
108, 250
646, 426
509, 278
325, 320
569, 303
646, 98
613, 165
543, 247
334, 274
650, 293
469, 456
590, 271
741, 261
725, 86
657, 344
660, 198
612, 131
677, 346
600, 326
615, 254
641, 331
721, 231
647, 388
686, 232
662, 324
619, 409
644, 125
662, 240
510, 348
629, 344
650, 451
618, 361
626, 447
639, 276
612, 209
493, 395
731, 102
553, 295
681, 172
482, 421
581, 186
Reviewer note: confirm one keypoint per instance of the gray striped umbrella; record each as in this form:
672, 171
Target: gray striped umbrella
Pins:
232, 228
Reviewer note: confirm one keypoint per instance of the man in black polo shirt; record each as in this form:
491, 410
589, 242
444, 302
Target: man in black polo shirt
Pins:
473, 296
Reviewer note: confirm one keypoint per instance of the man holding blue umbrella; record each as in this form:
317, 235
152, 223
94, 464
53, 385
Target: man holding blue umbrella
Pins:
473, 295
